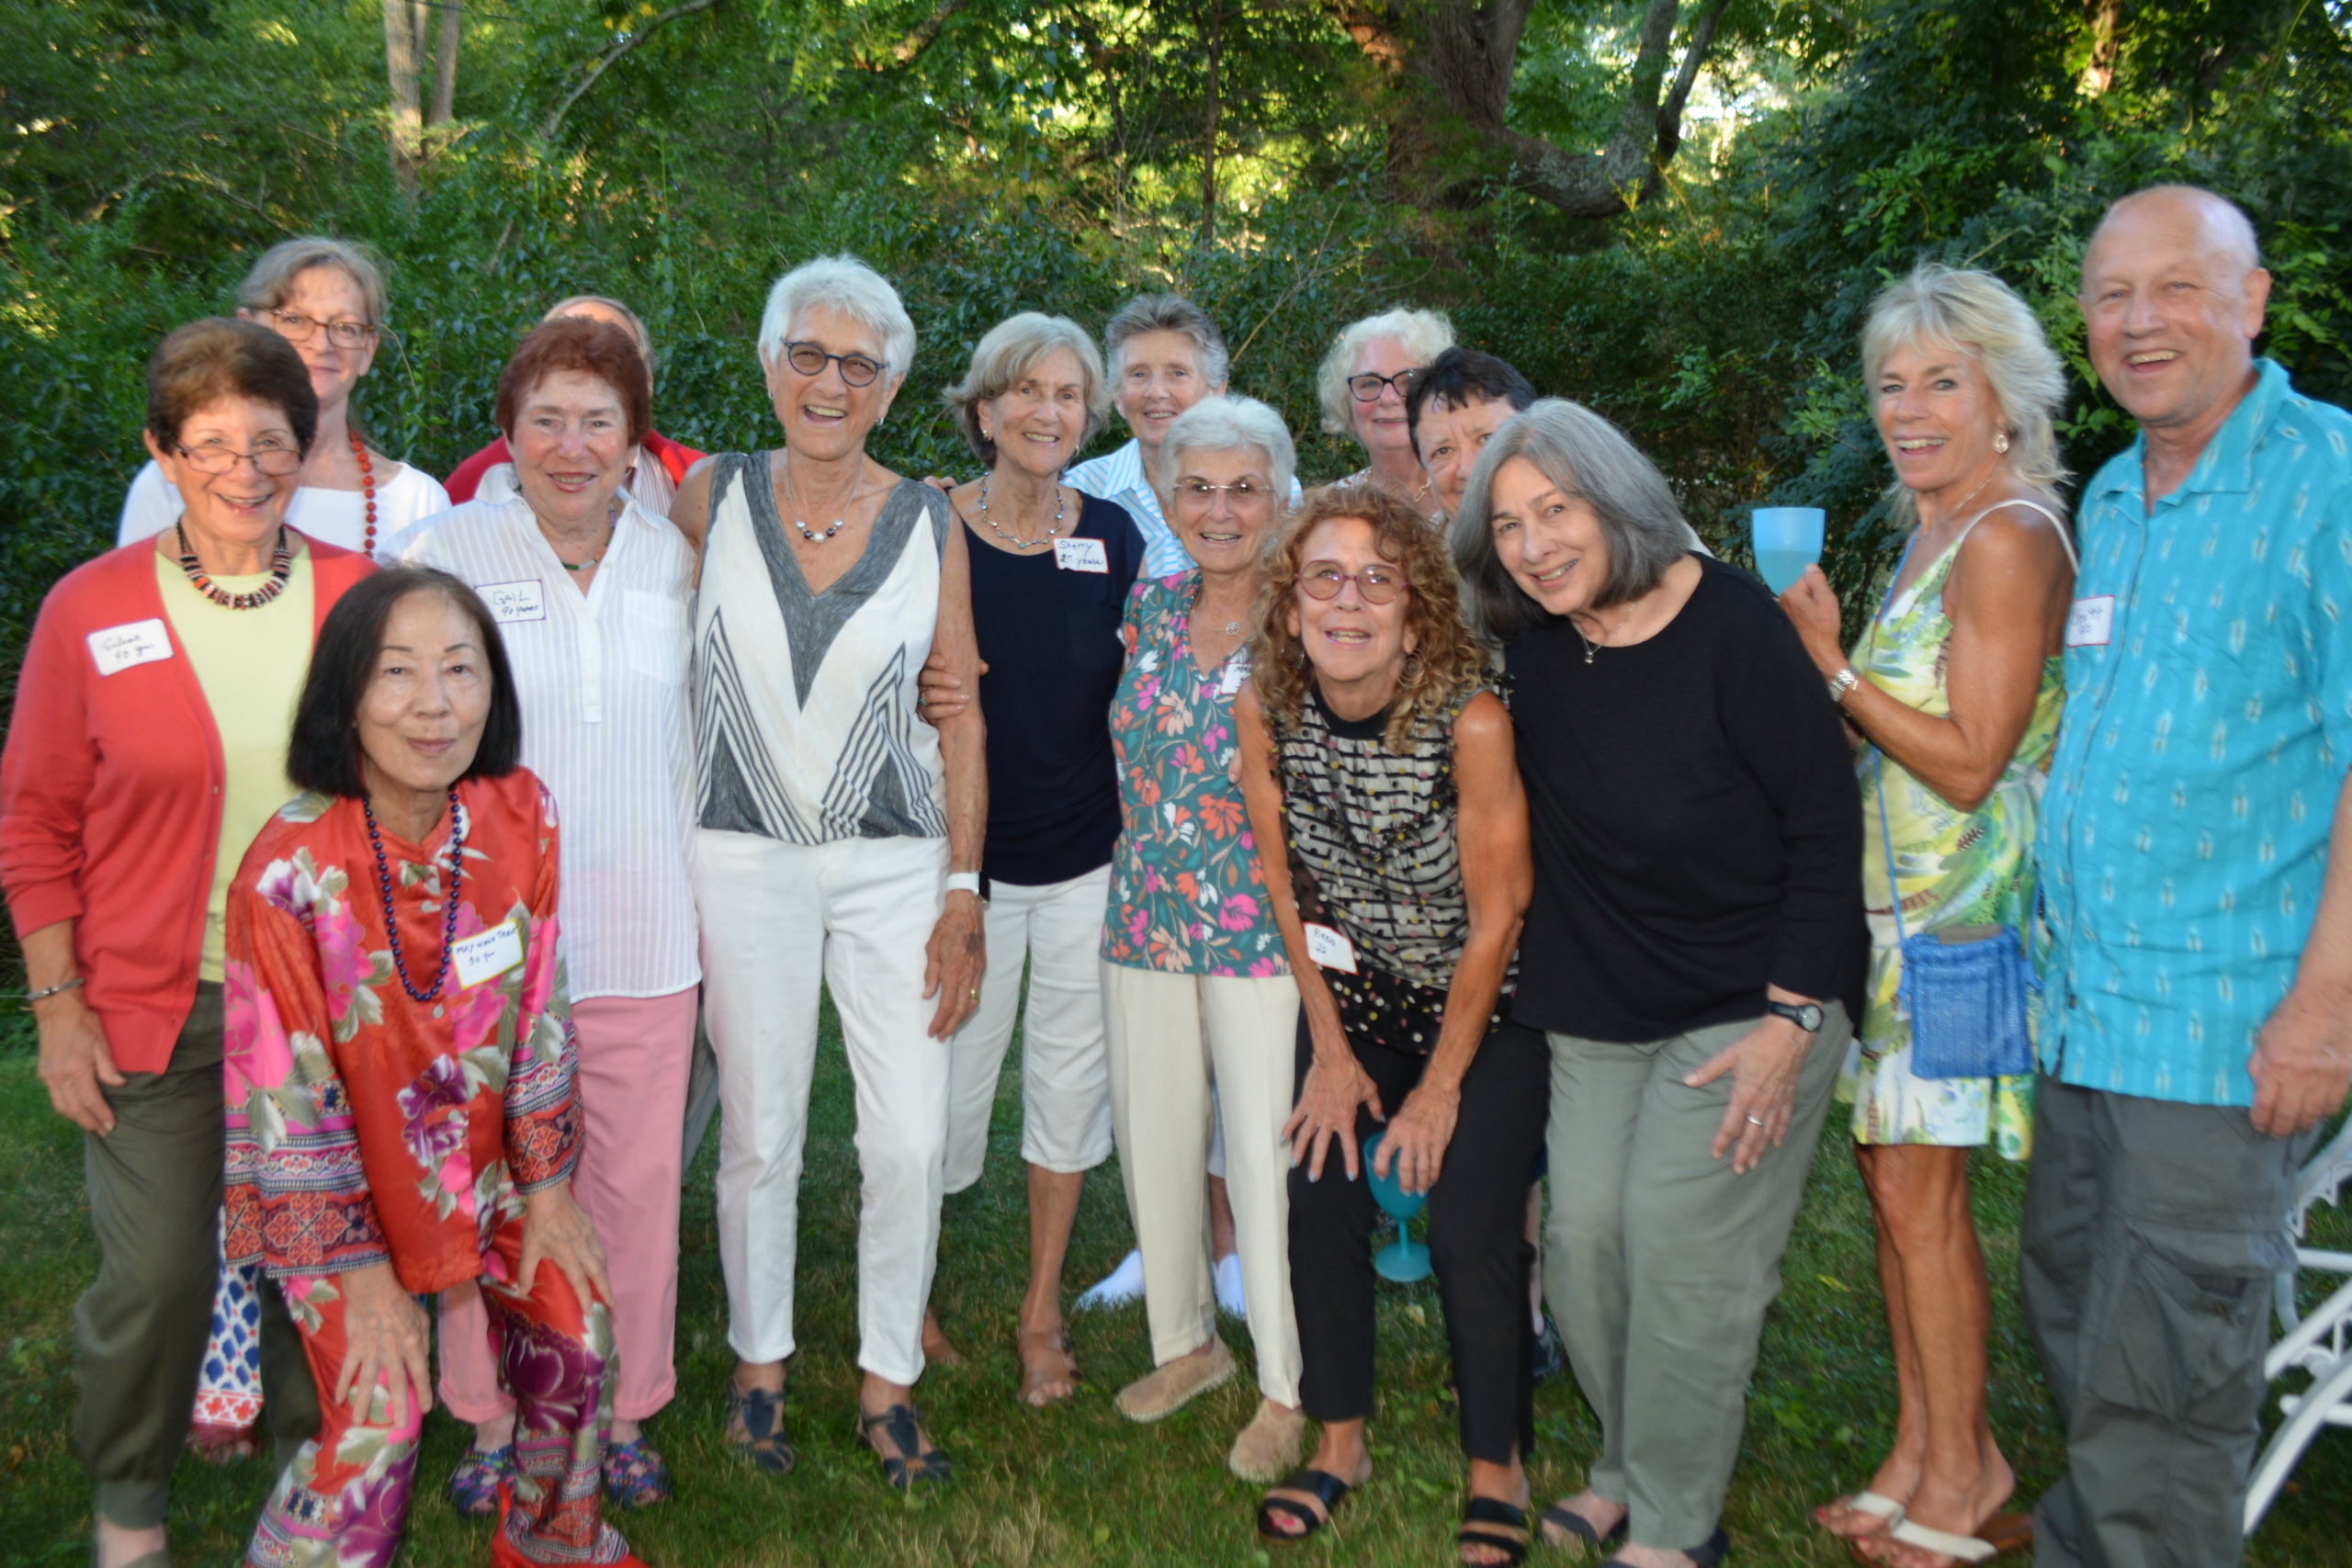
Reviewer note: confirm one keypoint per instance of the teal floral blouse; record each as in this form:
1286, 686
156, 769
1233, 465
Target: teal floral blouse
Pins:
1187, 893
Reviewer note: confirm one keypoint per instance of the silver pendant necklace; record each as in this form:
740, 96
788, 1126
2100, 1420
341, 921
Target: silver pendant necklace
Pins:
1590, 647
1061, 505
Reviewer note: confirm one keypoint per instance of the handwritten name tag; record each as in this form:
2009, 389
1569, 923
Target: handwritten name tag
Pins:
1081, 554
117, 648
1236, 672
2091, 622
1331, 948
513, 601
485, 955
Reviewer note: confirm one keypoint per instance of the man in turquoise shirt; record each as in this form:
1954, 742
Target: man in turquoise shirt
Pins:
2197, 951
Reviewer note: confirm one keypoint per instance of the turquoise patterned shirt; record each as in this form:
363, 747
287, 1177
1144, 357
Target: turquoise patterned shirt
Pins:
2207, 724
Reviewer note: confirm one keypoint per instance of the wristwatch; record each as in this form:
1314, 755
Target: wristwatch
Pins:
1805, 1015
1842, 682
970, 882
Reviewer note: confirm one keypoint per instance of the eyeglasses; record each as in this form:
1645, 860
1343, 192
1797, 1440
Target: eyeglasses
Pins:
1366, 387
1378, 584
809, 359
295, 327
277, 458
1242, 491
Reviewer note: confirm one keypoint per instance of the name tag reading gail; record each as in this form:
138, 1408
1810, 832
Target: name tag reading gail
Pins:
117, 648
1081, 554
513, 601
485, 955
1236, 672
1331, 948
2091, 622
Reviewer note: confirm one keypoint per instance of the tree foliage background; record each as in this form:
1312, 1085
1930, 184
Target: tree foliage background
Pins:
1675, 212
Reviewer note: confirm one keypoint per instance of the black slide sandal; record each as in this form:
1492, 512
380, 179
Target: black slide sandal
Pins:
1579, 1530
1320, 1484
1497, 1526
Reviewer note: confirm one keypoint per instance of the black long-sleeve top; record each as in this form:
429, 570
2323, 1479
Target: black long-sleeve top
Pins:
1697, 827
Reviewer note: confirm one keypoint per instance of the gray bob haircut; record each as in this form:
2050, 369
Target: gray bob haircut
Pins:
1976, 314
1590, 460
1166, 313
1010, 351
272, 278
1424, 333
572, 303
847, 285
1226, 423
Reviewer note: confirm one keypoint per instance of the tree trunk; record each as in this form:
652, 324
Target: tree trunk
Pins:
445, 65
407, 129
1208, 164
2107, 42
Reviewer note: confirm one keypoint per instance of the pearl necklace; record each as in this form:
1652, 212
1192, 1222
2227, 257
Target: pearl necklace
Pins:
1061, 506
806, 532
392, 917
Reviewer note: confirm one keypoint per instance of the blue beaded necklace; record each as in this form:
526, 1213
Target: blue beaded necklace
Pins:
450, 920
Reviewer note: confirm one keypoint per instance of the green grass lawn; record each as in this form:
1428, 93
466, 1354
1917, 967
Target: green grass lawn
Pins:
1074, 1483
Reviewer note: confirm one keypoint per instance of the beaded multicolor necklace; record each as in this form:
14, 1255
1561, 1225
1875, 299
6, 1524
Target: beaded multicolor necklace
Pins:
281, 566
392, 917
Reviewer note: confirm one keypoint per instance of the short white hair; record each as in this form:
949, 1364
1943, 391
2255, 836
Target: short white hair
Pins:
1010, 351
1425, 335
847, 285
1228, 424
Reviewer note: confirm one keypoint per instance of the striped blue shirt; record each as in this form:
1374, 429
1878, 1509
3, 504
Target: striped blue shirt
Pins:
2207, 724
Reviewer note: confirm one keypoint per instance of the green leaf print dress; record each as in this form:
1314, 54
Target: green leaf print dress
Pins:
1956, 868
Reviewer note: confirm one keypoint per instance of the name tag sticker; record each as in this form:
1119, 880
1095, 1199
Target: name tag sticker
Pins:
2091, 622
512, 601
485, 955
1331, 949
1081, 554
1236, 672
117, 648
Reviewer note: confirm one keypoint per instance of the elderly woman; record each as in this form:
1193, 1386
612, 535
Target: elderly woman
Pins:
1051, 568
1693, 949
326, 298
1194, 980
1362, 384
401, 1125
1376, 759
1456, 405
656, 464
590, 592
1956, 687
838, 840
1165, 356
148, 746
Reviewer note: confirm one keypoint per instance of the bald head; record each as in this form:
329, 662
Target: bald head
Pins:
2212, 224
2173, 296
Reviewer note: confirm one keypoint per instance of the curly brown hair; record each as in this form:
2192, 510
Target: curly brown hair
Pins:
1448, 663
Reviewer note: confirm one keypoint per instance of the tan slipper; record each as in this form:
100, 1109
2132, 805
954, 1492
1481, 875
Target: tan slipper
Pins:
1048, 1371
1270, 1445
1163, 1391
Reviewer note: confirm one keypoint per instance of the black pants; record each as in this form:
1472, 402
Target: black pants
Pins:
1477, 1242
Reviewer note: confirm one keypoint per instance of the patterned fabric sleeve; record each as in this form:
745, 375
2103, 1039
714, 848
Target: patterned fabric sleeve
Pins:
298, 1200
542, 1107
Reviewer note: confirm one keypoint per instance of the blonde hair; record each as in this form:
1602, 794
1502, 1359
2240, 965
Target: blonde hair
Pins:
1448, 663
1425, 335
1975, 313
1011, 350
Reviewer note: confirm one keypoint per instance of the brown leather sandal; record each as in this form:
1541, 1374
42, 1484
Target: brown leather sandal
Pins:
1038, 1374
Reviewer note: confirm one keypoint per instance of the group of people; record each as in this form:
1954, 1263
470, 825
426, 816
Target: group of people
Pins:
1463, 821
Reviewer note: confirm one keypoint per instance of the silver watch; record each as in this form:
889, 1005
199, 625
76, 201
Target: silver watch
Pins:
1842, 682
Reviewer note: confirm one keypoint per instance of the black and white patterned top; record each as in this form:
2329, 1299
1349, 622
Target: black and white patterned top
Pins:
1374, 853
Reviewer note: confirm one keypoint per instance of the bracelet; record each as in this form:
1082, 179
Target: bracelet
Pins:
1842, 682
48, 991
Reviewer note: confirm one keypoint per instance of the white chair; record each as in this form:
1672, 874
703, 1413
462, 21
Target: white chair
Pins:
2319, 1345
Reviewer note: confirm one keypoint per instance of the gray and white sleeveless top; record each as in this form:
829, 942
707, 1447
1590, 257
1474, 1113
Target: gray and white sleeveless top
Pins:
1374, 853
805, 702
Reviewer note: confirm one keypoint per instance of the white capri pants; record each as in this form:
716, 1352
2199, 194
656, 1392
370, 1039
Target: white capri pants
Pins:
778, 921
1168, 1034
1065, 1068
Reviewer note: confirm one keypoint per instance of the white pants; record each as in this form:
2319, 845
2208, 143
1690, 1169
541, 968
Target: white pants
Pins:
1168, 1034
778, 921
1065, 1073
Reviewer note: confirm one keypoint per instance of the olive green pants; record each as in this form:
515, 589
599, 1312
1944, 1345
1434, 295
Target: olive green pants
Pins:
140, 1329
1658, 1261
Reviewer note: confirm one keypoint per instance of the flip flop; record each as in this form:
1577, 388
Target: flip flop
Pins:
1871, 1504
1320, 1484
1996, 1537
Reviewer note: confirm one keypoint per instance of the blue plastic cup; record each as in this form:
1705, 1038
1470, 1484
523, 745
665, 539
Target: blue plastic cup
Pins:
1405, 1259
1787, 539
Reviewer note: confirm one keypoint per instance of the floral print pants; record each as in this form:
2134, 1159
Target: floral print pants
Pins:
343, 1500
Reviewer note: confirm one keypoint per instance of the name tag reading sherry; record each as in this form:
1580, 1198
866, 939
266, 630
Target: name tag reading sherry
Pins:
1236, 672
2091, 622
512, 601
1331, 948
485, 955
1081, 554
117, 648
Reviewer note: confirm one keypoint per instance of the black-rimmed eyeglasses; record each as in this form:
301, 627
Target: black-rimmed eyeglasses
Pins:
810, 359
1365, 389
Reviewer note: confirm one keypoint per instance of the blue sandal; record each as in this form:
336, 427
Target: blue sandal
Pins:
473, 1486
761, 1415
635, 1476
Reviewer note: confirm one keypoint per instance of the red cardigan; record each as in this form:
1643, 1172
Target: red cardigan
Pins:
676, 459
110, 793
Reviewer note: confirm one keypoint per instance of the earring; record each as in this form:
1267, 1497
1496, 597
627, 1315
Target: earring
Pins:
2001, 441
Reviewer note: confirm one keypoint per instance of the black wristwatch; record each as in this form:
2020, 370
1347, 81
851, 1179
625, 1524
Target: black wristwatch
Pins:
1805, 1015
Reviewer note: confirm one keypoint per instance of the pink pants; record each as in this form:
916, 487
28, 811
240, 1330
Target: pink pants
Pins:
634, 1056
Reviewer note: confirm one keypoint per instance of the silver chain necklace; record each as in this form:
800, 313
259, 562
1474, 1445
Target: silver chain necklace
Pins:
1061, 505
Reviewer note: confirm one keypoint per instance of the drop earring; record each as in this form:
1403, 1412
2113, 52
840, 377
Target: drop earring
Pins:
2001, 442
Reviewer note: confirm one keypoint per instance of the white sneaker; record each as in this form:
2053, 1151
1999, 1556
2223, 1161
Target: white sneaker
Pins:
1122, 1285
1229, 1298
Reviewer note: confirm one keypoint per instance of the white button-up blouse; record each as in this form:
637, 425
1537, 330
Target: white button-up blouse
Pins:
601, 676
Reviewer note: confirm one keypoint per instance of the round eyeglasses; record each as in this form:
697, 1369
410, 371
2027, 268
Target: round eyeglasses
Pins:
1378, 584
295, 327
810, 359
1365, 389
